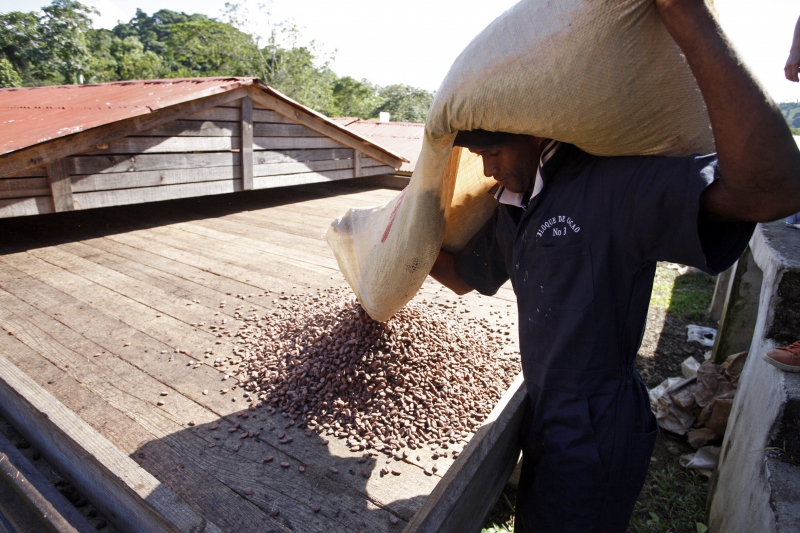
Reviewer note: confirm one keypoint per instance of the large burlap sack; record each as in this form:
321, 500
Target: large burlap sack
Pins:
601, 74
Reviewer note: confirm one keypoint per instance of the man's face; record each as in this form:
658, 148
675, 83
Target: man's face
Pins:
513, 164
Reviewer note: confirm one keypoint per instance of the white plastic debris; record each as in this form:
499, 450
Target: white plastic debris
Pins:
669, 417
704, 460
705, 336
689, 367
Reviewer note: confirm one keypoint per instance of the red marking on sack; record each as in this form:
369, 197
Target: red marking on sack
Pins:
394, 213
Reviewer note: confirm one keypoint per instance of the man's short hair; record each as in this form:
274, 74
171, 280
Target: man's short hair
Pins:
482, 139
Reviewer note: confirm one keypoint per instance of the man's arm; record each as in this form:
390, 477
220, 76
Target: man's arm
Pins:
759, 161
444, 271
793, 63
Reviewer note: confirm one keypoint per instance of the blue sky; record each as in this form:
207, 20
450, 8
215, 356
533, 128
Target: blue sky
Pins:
415, 41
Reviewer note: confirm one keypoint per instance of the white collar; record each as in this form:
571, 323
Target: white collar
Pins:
504, 196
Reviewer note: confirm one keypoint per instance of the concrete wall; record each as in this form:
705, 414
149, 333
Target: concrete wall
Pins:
752, 490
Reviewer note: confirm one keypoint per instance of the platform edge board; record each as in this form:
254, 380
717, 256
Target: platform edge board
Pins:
130, 497
36, 493
466, 494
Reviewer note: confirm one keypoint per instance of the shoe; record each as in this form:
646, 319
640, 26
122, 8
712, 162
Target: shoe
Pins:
786, 358
796, 226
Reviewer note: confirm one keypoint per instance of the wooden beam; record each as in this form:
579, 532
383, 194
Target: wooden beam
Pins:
357, 164
131, 498
247, 143
28, 495
60, 186
47, 152
466, 494
322, 126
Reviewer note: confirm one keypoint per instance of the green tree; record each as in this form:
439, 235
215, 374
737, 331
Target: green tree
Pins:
354, 98
102, 66
301, 72
154, 31
210, 48
19, 43
8, 76
62, 30
132, 62
404, 103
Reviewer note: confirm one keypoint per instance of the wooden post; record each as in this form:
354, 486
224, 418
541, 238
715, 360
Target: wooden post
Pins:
357, 172
60, 186
247, 143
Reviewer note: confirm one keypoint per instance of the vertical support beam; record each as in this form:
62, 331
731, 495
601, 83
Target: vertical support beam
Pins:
60, 186
357, 172
247, 143
720, 293
739, 314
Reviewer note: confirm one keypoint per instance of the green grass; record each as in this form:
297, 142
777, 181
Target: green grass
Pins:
672, 501
685, 297
501, 519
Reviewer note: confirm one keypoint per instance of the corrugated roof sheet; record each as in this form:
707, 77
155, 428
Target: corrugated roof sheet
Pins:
32, 115
35, 115
403, 138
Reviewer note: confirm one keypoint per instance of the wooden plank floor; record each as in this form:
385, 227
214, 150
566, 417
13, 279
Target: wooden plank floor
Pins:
94, 305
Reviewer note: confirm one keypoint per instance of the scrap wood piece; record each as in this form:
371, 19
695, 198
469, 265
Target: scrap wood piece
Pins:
131, 498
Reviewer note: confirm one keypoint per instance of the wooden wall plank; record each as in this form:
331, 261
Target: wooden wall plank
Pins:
279, 169
318, 124
113, 481
17, 207
47, 152
194, 128
124, 163
156, 145
294, 143
299, 179
232, 114
283, 130
27, 193
24, 187
83, 165
153, 178
60, 185
376, 171
90, 200
292, 156
23, 184
40, 171
247, 143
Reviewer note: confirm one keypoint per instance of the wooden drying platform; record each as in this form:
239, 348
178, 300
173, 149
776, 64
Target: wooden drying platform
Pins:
90, 300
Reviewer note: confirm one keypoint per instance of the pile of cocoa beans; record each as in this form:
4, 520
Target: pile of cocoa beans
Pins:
427, 376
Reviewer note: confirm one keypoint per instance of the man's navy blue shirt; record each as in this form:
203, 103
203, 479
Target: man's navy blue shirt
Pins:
582, 258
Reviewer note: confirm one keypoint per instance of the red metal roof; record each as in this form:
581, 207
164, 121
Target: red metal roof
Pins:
403, 138
34, 115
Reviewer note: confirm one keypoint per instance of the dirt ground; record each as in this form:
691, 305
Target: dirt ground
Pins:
673, 498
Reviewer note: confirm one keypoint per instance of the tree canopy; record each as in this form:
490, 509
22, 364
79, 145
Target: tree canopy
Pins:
59, 45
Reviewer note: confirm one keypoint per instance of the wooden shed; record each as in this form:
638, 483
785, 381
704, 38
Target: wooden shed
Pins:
87, 146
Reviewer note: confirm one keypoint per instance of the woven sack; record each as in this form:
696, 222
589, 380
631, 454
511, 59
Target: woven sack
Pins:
604, 75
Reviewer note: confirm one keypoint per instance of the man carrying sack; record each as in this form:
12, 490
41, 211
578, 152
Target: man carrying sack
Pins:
579, 237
